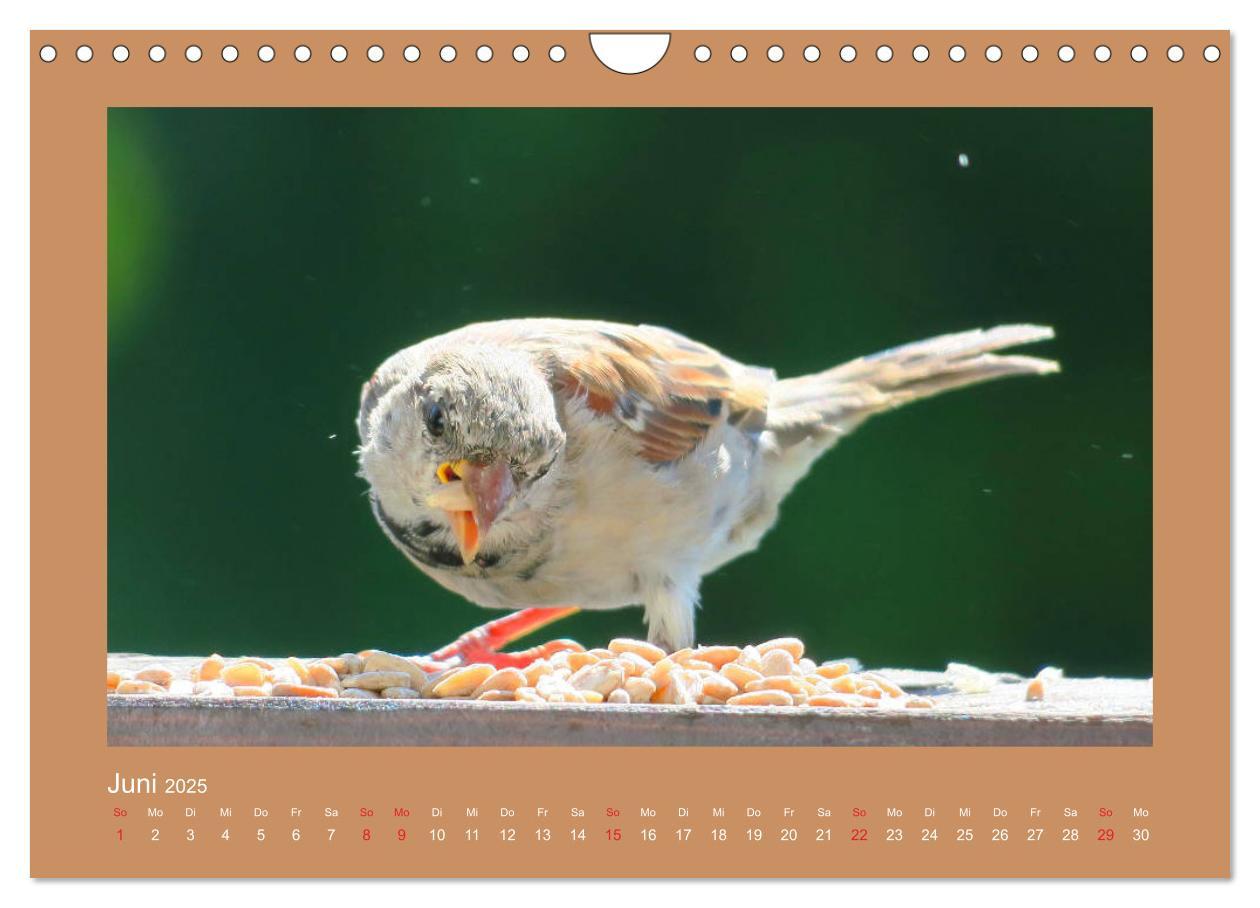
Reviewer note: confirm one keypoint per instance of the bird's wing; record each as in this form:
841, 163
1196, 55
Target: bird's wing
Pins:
668, 390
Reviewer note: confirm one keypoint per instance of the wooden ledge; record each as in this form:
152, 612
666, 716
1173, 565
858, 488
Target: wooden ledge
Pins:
1076, 712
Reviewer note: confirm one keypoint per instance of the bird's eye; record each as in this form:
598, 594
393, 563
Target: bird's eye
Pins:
435, 419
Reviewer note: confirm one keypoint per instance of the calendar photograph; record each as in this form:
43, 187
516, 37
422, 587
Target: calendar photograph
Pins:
771, 454
644, 426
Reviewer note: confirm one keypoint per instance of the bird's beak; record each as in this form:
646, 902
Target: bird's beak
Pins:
472, 495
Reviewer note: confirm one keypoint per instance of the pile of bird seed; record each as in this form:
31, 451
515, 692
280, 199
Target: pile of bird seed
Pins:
774, 673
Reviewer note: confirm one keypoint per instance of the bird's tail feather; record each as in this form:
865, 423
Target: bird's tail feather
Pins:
829, 404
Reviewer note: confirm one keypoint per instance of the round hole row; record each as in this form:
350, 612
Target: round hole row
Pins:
957, 53
302, 53
556, 53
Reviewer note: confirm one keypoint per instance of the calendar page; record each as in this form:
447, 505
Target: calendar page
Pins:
712, 453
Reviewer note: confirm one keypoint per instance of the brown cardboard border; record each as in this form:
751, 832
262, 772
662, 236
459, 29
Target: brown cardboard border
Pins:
1183, 780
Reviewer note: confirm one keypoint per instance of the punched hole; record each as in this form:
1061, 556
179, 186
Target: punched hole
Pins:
626, 54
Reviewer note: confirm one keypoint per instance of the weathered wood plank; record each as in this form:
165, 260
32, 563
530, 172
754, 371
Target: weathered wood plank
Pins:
1089, 712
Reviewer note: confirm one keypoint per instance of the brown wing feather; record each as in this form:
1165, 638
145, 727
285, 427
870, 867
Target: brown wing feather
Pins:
668, 390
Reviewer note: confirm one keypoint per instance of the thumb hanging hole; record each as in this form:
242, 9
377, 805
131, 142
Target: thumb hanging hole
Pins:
627, 54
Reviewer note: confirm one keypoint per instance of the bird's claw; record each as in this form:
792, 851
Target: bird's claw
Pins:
483, 643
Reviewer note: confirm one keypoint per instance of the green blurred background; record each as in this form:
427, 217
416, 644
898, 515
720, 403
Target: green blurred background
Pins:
263, 262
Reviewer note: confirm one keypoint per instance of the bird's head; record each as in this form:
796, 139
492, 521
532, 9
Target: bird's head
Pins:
454, 443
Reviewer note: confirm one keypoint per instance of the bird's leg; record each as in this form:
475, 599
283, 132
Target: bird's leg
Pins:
482, 644
669, 608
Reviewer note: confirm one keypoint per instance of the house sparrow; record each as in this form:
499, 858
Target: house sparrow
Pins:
549, 462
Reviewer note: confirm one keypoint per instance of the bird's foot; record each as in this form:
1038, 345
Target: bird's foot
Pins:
483, 644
